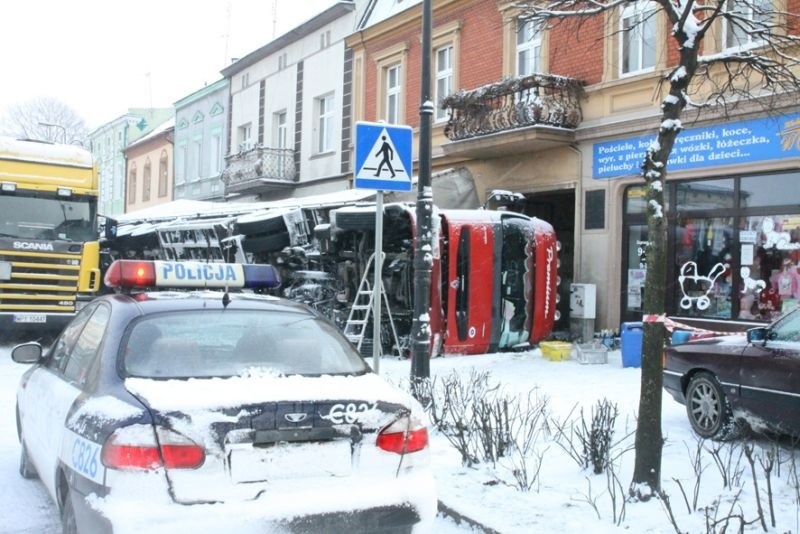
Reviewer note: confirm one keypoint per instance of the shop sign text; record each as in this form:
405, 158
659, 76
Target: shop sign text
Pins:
696, 148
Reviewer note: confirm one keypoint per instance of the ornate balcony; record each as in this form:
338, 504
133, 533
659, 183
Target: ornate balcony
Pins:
258, 169
512, 107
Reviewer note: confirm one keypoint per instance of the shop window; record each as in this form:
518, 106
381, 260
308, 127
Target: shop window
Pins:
755, 191
636, 272
703, 266
769, 258
705, 195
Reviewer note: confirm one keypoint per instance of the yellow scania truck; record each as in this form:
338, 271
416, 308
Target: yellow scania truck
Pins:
49, 251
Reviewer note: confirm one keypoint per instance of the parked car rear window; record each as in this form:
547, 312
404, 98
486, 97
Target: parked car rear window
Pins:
206, 343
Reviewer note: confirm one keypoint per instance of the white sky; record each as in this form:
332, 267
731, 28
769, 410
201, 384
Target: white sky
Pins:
101, 58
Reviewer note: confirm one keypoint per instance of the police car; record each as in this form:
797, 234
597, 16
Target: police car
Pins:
218, 411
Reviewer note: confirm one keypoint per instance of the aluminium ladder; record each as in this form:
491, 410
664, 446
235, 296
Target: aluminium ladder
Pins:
356, 325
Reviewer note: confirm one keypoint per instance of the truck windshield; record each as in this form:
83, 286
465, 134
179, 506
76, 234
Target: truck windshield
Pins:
52, 218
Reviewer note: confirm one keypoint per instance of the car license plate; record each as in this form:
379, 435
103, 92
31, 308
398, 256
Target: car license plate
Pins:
5, 270
30, 318
290, 460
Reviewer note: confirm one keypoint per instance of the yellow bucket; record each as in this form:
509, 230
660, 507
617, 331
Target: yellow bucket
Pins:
556, 350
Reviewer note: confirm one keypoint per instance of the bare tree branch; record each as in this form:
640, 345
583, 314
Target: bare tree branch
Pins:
44, 119
758, 65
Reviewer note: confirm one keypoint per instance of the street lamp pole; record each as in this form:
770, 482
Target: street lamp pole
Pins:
423, 251
53, 125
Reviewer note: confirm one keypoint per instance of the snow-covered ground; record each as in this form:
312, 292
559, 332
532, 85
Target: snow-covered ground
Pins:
565, 498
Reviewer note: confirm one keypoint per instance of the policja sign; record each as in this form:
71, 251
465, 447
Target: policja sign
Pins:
383, 156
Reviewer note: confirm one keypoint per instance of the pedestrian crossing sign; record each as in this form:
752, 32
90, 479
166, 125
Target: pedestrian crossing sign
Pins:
383, 156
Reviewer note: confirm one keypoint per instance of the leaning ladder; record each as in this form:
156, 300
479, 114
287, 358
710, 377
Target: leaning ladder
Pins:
356, 325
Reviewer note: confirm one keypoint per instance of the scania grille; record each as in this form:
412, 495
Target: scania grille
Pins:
39, 282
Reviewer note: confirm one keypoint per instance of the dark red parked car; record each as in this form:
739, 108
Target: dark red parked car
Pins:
734, 381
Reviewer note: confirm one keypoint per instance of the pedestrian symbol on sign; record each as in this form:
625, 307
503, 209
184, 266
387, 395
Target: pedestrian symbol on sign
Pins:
388, 154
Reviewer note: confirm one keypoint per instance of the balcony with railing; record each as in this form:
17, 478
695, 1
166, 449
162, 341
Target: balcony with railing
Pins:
259, 169
534, 112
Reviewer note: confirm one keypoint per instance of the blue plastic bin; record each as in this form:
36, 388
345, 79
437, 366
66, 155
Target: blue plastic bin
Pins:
681, 336
631, 334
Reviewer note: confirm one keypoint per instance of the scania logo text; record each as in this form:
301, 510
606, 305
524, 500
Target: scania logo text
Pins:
26, 245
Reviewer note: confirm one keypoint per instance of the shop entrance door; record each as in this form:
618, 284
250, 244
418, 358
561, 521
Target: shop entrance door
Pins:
558, 208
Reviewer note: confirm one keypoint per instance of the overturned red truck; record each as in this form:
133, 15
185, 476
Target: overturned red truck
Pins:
493, 284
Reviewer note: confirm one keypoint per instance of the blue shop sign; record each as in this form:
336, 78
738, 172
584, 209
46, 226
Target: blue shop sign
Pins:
697, 148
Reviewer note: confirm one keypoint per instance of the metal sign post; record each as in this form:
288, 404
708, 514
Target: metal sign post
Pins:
383, 163
377, 287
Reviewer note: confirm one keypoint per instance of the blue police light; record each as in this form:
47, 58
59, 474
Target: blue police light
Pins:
261, 276
190, 274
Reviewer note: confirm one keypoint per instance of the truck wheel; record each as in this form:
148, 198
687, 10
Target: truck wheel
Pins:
708, 409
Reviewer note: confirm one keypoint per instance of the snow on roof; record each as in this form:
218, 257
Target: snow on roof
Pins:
44, 152
381, 10
200, 208
163, 127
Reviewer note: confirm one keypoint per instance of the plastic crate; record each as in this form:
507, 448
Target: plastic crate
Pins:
556, 350
592, 353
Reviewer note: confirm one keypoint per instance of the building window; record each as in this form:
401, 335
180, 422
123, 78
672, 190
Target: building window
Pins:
393, 93
280, 133
245, 80
132, 184
244, 137
743, 19
283, 61
444, 79
638, 38
324, 39
324, 123
180, 163
197, 151
163, 166
529, 47
146, 181
215, 157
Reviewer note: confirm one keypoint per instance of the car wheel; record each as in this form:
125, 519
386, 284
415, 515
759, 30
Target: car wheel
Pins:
708, 409
26, 468
69, 524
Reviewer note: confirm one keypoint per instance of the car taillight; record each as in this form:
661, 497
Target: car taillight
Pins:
403, 436
135, 447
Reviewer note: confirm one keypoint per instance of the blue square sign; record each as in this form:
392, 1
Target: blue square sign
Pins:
383, 156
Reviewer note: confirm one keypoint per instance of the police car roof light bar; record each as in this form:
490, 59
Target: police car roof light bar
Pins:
189, 274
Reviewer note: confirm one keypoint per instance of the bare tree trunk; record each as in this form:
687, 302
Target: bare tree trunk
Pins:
649, 441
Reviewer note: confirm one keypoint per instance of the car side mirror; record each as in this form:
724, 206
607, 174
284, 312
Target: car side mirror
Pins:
757, 335
27, 353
